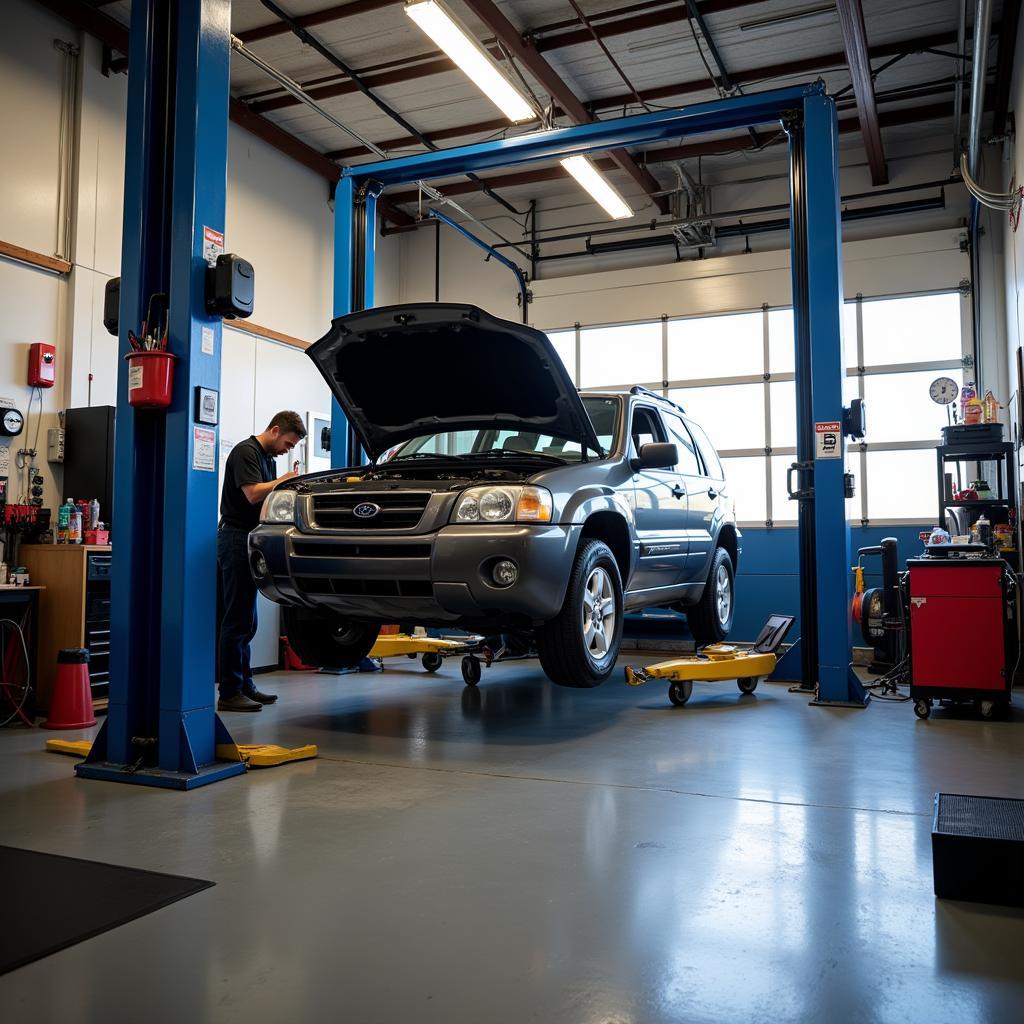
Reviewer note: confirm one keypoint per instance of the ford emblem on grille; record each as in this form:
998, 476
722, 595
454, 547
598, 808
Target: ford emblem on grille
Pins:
365, 510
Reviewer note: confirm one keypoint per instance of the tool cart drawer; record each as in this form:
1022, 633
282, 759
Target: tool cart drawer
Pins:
98, 567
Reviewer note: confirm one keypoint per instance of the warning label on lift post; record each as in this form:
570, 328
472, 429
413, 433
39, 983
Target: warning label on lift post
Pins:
826, 440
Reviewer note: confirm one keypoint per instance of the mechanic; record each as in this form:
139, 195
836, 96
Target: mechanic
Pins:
248, 479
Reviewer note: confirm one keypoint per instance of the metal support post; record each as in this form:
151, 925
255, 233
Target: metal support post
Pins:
825, 592
161, 728
355, 242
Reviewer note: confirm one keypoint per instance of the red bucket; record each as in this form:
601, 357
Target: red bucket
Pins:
150, 379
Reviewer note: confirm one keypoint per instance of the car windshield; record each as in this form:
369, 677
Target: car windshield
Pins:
603, 412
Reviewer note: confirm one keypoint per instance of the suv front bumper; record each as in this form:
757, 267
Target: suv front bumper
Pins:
435, 577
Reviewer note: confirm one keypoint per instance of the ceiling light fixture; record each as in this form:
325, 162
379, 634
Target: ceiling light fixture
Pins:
455, 40
603, 193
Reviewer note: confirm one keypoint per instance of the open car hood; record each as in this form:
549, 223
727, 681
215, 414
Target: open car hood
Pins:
399, 372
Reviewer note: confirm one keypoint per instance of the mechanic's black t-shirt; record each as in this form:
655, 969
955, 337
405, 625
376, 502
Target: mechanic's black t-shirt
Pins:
248, 463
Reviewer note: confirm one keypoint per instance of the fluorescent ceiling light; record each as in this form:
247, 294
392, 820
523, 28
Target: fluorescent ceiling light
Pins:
598, 186
452, 37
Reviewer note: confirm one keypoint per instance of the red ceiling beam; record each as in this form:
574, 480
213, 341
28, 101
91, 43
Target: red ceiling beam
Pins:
750, 76
487, 11
809, 65
709, 147
336, 13
442, 135
421, 65
855, 45
673, 14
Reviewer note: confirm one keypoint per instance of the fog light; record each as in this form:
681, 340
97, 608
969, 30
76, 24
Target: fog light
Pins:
505, 573
259, 566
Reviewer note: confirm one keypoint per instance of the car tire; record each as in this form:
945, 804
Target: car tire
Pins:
326, 640
579, 646
710, 620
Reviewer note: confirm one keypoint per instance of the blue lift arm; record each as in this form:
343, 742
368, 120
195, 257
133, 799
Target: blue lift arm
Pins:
492, 253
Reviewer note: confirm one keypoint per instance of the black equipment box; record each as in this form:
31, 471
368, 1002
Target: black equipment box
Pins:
978, 849
973, 433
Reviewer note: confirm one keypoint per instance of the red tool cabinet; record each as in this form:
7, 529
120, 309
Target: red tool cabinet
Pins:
962, 631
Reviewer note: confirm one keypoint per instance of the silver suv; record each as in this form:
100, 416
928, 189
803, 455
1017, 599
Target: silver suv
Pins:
497, 499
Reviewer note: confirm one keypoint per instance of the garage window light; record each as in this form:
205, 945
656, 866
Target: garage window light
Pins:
600, 189
455, 40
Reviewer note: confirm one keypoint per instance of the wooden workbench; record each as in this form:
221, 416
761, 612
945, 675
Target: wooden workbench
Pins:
61, 570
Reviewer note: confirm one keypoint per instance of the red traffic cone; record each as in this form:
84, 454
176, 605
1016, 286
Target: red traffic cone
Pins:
71, 700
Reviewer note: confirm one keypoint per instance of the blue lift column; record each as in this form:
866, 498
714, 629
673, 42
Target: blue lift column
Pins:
355, 238
825, 645
161, 727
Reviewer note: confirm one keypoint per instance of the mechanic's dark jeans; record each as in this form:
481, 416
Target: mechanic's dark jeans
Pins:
238, 626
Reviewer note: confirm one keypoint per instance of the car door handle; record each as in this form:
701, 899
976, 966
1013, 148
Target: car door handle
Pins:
712, 493
679, 492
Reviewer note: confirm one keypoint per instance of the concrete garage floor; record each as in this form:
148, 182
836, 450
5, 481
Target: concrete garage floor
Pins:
528, 853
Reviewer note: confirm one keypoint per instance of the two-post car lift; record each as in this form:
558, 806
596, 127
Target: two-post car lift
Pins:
161, 728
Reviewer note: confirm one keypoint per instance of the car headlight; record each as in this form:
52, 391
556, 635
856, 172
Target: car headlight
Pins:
504, 505
278, 507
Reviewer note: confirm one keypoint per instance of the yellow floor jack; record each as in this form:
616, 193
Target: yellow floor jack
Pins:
718, 662
433, 649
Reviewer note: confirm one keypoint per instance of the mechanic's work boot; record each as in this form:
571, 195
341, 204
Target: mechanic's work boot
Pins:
238, 702
261, 698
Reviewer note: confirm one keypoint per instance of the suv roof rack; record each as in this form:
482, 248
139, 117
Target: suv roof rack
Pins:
636, 389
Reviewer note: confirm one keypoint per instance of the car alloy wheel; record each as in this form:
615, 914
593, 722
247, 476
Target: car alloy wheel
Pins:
598, 614
723, 594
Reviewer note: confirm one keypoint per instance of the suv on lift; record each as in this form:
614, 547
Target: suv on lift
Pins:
498, 500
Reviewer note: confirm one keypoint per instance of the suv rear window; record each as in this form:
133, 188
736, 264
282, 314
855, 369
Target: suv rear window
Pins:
688, 461
707, 451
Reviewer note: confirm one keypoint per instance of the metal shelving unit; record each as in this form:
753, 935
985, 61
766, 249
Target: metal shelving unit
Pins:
1001, 455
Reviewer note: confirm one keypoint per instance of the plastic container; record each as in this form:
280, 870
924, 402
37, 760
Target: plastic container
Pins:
75, 527
64, 521
94, 514
150, 379
71, 701
101, 537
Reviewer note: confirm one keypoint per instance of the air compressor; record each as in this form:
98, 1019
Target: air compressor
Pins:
879, 610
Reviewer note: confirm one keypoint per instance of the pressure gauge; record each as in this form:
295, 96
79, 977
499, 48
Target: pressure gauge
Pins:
943, 390
12, 423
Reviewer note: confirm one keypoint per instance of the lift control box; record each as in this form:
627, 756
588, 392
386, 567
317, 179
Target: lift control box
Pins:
42, 365
230, 287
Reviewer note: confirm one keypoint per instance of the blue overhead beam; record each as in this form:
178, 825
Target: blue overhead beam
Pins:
539, 147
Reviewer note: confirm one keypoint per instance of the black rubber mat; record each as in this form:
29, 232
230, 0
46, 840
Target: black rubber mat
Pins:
52, 902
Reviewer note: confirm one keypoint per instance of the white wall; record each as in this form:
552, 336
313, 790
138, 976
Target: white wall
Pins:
33, 302
1012, 167
277, 216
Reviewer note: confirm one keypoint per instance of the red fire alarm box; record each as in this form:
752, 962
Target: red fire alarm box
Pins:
42, 365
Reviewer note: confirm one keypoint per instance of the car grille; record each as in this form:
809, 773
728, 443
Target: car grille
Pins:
365, 588
339, 549
398, 510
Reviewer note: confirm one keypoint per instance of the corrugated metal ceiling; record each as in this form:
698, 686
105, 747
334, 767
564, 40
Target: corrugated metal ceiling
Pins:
652, 58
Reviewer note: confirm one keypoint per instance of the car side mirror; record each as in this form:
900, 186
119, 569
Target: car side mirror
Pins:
656, 456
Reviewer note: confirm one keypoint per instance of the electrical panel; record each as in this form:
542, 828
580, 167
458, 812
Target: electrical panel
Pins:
42, 365
55, 444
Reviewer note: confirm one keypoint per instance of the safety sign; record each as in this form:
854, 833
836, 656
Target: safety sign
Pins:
826, 440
